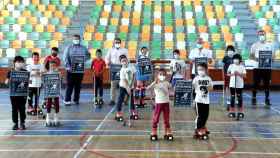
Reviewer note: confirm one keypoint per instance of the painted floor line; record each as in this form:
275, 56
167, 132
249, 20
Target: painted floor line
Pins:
144, 150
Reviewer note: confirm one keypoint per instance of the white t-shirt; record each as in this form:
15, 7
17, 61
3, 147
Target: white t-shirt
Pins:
239, 80
196, 53
35, 79
113, 55
161, 90
126, 73
180, 62
259, 46
201, 84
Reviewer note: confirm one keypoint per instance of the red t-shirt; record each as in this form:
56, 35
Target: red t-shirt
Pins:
98, 65
51, 58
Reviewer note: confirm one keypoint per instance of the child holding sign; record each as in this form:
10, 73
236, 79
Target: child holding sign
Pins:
237, 72
161, 89
141, 79
18, 102
126, 88
202, 84
98, 66
53, 69
178, 67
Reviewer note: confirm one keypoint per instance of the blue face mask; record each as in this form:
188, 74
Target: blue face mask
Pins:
76, 41
199, 46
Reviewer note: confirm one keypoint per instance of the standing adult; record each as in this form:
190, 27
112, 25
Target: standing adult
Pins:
198, 52
261, 74
113, 57
75, 56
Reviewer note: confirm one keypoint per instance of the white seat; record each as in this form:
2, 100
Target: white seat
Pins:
228, 8
125, 21
157, 29
157, 14
25, 2
212, 22
107, 8
204, 36
262, 22
168, 36
191, 29
181, 45
10, 7
10, 52
16, 14
252, 2
75, 2
189, 15
198, 8
110, 36
239, 37
233, 22
22, 36
44, 20
103, 21
16, 28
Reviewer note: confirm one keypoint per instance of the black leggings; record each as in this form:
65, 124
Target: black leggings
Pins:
238, 93
98, 87
263, 75
33, 92
202, 112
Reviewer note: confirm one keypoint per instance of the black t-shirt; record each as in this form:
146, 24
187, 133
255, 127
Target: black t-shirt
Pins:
227, 61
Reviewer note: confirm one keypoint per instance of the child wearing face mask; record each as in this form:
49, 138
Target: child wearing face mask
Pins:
98, 66
178, 67
237, 73
18, 102
139, 96
126, 88
161, 89
202, 84
227, 60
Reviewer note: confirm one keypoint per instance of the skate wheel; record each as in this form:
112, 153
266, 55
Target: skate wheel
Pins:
120, 119
168, 137
153, 138
136, 117
32, 113
205, 137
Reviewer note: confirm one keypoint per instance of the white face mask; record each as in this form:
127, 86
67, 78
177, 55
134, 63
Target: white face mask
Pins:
230, 53
236, 61
117, 46
262, 38
124, 64
176, 56
201, 72
199, 46
76, 41
19, 65
161, 77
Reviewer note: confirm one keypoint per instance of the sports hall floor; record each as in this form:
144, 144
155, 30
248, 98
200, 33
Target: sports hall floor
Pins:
90, 133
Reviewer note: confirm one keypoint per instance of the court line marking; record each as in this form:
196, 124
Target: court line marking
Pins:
83, 147
143, 150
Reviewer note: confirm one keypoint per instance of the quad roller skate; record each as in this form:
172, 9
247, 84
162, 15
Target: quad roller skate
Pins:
134, 116
154, 136
168, 135
201, 134
119, 117
231, 113
30, 111
240, 116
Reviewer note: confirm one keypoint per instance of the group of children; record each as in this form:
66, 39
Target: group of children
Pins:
36, 70
202, 84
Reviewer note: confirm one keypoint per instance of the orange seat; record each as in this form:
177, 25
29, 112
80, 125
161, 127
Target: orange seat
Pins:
2, 20
98, 36
105, 14
65, 21
50, 28
136, 21
157, 21
36, 2
33, 20
147, 2
255, 8
123, 28
179, 22
58, 14
183, 54
228, 37
51, 8
145, 37
89, 28
117, 8
168, 29
99, 2
125, 14
206, 45
1, 36
267, 28
26, 13
202, 29
167, 8
57, 36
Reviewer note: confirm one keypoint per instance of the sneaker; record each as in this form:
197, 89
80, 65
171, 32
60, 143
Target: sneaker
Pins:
112, 103
254, 101
76, 102
66, 103
22, 126
15, 127
267, 102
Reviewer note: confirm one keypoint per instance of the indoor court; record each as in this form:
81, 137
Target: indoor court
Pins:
162, 26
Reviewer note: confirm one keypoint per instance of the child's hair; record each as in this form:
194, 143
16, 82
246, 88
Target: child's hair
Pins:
237, 56
230, 47
18, 59
35, 54
123, 57
55, 49
98, 51
117, 39
176, 51
162, 70
204, 65
144, 47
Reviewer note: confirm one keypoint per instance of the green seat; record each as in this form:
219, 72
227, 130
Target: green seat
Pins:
27, 28
217, 2
230, 15
235, 29
32, 8
147, 21
37, 14
101, 29
133, 36
192, 37
61, 29
11, 36
61, 8
55, 21
245, 54
45, 36
24, 52
4, 28
69, 14
112, 28
45, 52
188, 8
41, 44
135, 28
179, 29
118, 2
10, 20
223, 22
201, 21
115, 15
272, 22
85, 43
265, 8
4, 44
96, 44
33, 36
55, 2
214, 29
199, 16
45, 2
259, 14
218, 45
123, 36
156, 54
73, 8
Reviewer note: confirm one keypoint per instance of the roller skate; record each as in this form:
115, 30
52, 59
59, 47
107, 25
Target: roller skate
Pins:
44, 105
267, 103
231, 113
201, 134
56, 123
168, 135
101, 102
30, 111
22, 126
240, 114
48, 121
39, 111
254, 102
154, 136
15, 127
206, 130
119, 117
134, 115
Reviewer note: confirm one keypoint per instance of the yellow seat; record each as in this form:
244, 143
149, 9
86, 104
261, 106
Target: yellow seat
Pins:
58, 14
33, 20
99, 2
65, 2
89, 28
16, 44
220, 54
21, 20
157, 8
26, 13
29, 44
36, 50
117, 8
190, 22
92, 52
53, 43
262, 2
39, 28
168, 44
216, 37
131, 54
187, 2
128, 2
15, 2
132, 44
180, 36
57, 36
41, 8
108, 44
114, 21
48, 14
269, 14
167, 8
225, 29
146, 29
4, 13
87, 36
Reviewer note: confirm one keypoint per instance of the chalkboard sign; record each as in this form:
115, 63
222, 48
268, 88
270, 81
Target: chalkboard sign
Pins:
51, 85
144, 66
183, 93
19, 81
115, 72
77, 63
199, 61
265, 59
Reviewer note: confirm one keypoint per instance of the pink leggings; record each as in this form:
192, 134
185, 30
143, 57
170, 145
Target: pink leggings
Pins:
161, 107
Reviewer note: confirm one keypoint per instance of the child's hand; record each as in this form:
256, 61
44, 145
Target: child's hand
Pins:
128, 91
7, 81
